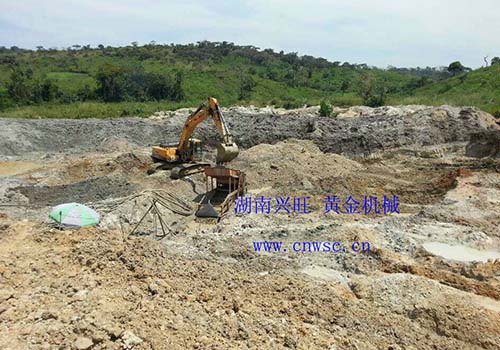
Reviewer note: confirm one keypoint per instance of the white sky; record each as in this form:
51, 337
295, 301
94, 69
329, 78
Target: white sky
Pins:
376, 32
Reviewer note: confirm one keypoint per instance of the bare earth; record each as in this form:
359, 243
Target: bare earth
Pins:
203, 286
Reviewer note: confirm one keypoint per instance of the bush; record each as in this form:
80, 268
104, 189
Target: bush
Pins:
119, 84
18, 88
325, 110
112, 83
45, 91
67, 97
246, 86
177, 92
373, 93
86, 93
23, 88
374, 101
157, 87
5, 102
292, 104
274, 102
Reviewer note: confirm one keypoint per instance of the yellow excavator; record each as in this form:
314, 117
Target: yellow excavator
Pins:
187, 153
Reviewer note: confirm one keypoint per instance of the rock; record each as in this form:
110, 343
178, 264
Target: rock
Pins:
289, 342
6, 294
307, 184
348, 114
112, 329
153, 288
242, 331
236, 305
47, 315
81, 294
394, 347
484, 144
83, 343
130, 339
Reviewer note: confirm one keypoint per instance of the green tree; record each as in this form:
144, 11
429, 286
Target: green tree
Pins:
177, 92
325, 110
157, 87
85, 93
372, 92
495, 60
456, 68
111, 82
44, 90
344, 86
247, 84
18, 87
291, 78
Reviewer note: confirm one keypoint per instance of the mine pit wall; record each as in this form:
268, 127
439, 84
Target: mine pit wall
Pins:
357, 133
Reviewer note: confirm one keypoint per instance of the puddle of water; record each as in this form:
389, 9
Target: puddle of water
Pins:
460, 252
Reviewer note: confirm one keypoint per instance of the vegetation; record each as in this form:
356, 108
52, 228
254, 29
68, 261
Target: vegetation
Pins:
325, 109
480, 88
137, 80
373, 93
456, 68
115, 84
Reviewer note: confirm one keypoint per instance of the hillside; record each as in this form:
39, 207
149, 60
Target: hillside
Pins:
480, 88
139, 80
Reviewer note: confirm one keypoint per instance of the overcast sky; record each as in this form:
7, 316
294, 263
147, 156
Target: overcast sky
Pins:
376, 32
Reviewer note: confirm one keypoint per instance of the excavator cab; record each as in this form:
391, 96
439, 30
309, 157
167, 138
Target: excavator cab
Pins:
195, 147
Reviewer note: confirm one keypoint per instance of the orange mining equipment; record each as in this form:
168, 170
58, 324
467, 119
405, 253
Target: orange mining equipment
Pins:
223, 186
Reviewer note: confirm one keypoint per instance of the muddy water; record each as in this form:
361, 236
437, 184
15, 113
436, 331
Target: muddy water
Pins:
460, 252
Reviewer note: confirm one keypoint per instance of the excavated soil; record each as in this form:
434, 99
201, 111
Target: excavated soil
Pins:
357, 131
199, 284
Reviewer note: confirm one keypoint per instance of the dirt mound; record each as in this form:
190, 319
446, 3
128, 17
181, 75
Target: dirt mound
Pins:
90, 190
299, 167
24, 136
93, 288
276, 166
365, 131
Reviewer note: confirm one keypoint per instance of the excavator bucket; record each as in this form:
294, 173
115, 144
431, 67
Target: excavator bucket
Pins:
226, 152
207, 210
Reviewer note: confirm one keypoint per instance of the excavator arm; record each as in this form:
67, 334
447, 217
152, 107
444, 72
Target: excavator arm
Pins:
227, 149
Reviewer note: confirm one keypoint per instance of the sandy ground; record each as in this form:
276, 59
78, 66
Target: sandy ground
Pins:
429, 281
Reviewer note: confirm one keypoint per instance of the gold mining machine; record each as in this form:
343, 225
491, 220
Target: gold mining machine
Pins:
185, 158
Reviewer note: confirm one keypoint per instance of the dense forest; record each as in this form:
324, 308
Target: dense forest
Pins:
82, 81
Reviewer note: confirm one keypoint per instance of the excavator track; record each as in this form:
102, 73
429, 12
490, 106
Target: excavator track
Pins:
183, 170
